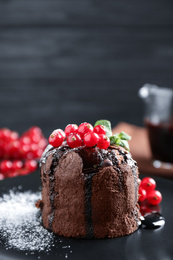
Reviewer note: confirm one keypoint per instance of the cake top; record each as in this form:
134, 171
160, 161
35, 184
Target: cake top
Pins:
86, 135
95, 145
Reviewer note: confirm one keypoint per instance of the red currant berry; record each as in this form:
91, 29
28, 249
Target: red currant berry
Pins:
2, 148
99, 129
38, 153
2, 176
6, 151
13, 136
56, 138
13, 149
31, 165
91, 139
34, 134
35, 138
148, 184
24, 150
84, 128
35, 151
6, 166
24, 171
154, 197
142, 194
103, 142
74, 140
71, 128
17, 165
35, 130
2, 144
30, 155
33, 147
43, 143
1, 154
5, 134
25, 140
62, 133
12, 174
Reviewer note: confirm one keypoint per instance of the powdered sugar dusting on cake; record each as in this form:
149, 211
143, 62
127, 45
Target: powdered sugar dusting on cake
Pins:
20, 224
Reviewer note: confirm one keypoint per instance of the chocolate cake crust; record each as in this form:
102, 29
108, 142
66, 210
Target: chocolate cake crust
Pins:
89, 192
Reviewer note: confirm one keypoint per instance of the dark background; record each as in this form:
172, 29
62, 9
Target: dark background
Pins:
70, 61
65, 61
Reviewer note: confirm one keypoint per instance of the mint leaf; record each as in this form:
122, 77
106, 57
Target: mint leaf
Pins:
107, 125
120, 139
115, 139
125, 144
124, 136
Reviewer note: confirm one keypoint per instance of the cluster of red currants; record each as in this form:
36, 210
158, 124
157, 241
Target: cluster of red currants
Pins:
147, 191
84, 134
19, 154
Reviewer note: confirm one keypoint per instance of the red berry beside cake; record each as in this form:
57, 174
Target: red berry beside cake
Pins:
89, 183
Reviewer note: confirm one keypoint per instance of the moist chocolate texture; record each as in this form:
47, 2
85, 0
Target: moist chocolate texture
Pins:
89, 192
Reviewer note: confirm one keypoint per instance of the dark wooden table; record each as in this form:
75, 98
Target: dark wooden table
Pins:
65, 61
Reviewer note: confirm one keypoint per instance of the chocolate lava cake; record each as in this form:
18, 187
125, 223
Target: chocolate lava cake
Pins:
89, 192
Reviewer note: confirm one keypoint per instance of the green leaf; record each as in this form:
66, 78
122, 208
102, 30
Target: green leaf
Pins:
119, 139
107, 125
125, 144
115, 139
124, 136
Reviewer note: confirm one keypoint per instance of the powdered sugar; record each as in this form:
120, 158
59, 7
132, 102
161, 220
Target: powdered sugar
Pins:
20, 222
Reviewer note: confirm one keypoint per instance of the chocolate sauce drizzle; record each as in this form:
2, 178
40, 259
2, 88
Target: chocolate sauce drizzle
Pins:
51, 189
88, 206
93, 160
133, 166
56, 155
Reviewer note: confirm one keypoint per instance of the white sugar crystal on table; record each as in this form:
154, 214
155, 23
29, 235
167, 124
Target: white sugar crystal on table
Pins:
20, 225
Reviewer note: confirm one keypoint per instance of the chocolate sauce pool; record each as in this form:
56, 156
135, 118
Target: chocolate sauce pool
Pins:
150, 216
152, 220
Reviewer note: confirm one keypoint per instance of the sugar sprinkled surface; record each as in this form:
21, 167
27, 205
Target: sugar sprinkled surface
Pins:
20, 223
